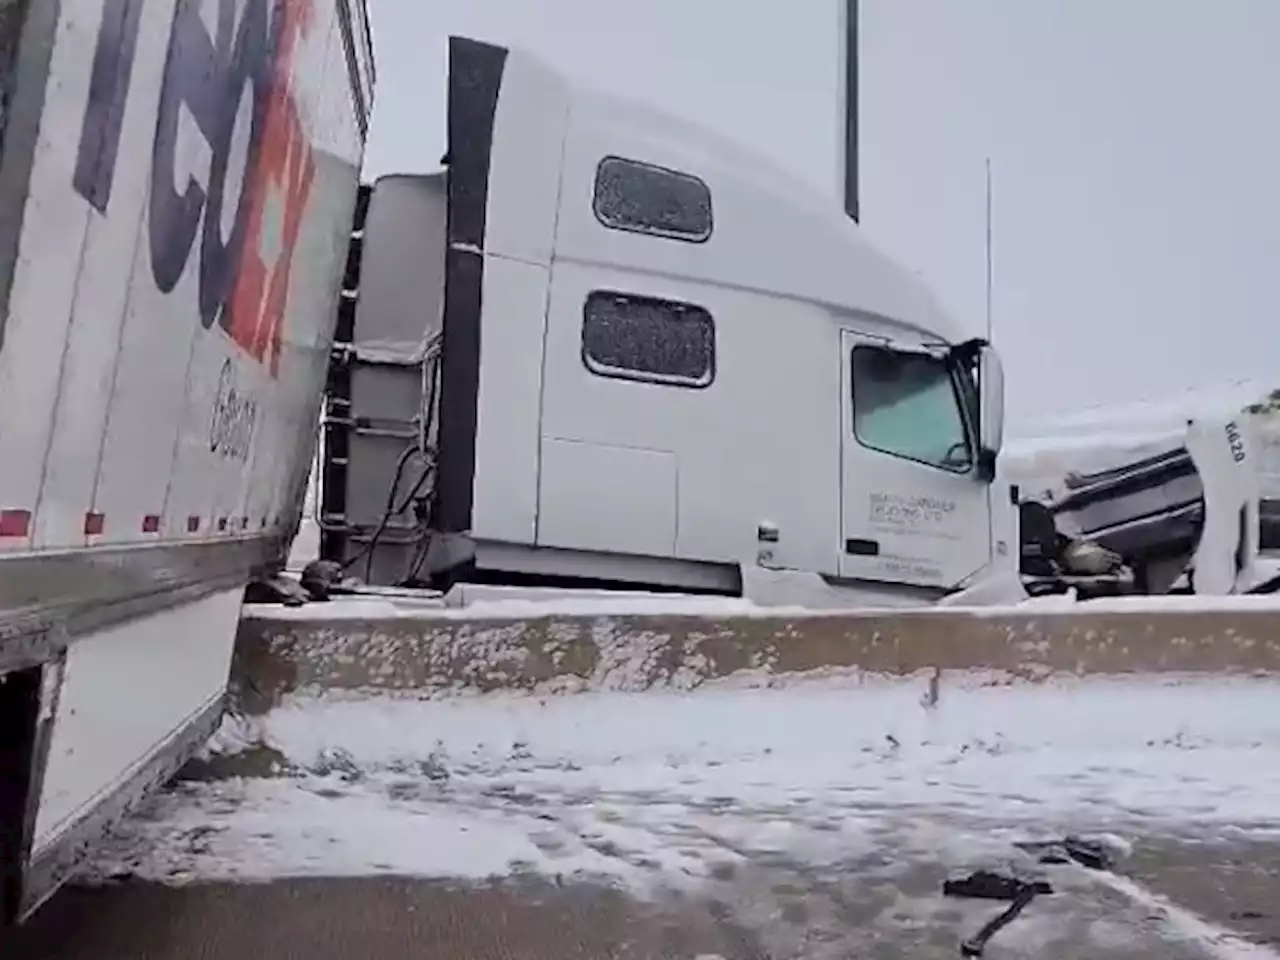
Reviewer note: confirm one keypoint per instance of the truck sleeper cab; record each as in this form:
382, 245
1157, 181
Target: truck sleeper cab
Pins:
660, 363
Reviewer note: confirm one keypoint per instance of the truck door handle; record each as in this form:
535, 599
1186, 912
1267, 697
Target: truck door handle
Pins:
862, 548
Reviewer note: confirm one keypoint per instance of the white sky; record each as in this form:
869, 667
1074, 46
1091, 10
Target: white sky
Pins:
1135, 148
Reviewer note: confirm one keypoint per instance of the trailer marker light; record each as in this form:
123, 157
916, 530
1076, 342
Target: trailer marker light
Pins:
15, 523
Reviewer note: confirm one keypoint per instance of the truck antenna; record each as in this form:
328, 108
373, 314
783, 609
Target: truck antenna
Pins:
988, 249
848, 149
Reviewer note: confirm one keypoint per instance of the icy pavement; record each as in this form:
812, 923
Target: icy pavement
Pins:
819, 817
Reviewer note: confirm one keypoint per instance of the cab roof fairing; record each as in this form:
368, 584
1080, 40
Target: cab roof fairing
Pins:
839, 267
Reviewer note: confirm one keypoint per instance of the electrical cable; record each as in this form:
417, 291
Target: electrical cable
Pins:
388, 512
431, 398
422, 447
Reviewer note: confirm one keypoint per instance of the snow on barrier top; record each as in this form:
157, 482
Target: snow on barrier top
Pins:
571, 650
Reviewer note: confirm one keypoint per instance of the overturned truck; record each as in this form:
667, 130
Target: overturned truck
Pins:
1192, 511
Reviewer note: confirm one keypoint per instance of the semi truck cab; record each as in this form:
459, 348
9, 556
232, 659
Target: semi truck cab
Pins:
590, 351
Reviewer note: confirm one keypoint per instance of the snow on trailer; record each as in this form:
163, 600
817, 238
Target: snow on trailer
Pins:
178, 181
804, 780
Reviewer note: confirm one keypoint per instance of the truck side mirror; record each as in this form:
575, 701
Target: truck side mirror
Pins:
990, 403
986, 464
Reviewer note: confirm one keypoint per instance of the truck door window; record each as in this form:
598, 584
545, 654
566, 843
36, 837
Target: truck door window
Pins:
905, 405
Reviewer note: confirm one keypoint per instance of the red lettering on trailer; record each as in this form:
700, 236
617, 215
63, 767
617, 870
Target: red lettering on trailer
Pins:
193, 524
94, 524
15, 523
151, 523
276, 190
222, 523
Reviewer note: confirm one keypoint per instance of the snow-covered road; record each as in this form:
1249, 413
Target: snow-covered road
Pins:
730, 792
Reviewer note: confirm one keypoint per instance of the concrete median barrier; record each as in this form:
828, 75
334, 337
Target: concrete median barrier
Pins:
414, 800
431, 653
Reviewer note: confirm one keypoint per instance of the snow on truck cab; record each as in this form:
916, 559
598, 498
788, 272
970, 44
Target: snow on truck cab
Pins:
177, 187
605, 346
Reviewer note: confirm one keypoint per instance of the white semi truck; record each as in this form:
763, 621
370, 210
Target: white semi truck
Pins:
177, 187
604, 348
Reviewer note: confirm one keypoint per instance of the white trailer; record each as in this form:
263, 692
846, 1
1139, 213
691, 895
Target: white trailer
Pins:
177, 186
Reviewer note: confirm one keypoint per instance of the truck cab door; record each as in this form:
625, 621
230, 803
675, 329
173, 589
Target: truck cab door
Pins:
915, 508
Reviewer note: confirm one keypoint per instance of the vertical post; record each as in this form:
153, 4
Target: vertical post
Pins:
849, 65
990, 274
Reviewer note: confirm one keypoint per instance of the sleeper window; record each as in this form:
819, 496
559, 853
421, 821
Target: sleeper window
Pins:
905, 404
644, 338
643, 198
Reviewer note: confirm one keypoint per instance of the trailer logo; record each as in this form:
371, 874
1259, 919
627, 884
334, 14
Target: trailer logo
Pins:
235, 414
213, 75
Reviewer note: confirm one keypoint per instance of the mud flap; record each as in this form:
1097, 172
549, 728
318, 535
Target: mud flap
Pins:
1225, 559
